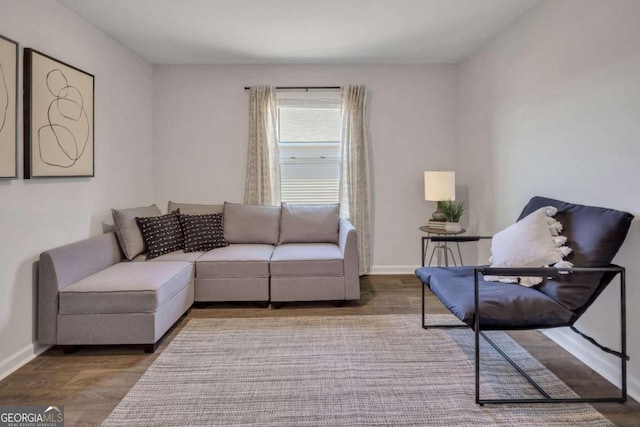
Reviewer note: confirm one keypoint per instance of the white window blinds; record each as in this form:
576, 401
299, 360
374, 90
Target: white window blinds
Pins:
309, 135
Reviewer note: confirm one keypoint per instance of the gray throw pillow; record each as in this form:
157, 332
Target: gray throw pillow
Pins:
127, 230
251, 223
309, 223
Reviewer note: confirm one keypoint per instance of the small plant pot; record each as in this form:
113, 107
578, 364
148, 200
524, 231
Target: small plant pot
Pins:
453, 227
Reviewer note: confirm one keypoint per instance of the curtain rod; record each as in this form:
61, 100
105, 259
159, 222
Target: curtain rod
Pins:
306, 88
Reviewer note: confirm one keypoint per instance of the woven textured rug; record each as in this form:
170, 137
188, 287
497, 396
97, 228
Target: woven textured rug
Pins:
338, 371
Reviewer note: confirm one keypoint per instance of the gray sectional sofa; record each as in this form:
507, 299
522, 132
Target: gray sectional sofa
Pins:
103, 290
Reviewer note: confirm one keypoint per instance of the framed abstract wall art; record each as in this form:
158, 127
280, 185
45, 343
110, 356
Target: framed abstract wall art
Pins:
8, 108
58, 118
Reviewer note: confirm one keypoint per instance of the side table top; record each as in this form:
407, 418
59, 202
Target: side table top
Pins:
431, 230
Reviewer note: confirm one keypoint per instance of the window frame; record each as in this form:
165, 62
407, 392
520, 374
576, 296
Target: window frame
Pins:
326, 193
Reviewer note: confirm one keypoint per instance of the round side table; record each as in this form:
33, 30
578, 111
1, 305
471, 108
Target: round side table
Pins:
441, 248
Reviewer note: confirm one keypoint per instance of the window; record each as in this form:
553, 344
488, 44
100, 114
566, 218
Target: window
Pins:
309, 127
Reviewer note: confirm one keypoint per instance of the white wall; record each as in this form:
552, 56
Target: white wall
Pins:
552, 107
201, 135
36, 215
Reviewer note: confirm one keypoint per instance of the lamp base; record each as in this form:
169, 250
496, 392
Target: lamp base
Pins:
438, 215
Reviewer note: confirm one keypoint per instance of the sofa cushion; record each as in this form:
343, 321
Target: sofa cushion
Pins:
235, 260
178, 255
194, 209
162, 234
202, 232
127, 230
307, 259
127, 287
251, 223
309, 223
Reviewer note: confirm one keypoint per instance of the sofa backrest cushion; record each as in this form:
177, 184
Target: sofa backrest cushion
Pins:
309, 223
194, 209
127, 230
251, 223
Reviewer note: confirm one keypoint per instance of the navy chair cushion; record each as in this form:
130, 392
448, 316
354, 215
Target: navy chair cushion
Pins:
595, 235
502, 306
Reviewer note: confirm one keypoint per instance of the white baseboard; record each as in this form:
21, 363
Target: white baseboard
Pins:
594, 358
20, 358
393, 269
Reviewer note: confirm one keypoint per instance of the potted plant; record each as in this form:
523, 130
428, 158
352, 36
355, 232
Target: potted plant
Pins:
453, 211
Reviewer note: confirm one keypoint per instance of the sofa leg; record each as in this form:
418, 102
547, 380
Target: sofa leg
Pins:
150, 348
339, 303
263, 304
275, 305
69, 349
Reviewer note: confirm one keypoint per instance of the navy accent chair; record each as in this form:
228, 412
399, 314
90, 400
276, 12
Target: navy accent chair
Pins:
595, 234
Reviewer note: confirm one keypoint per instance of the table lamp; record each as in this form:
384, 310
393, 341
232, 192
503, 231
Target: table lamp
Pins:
439, 186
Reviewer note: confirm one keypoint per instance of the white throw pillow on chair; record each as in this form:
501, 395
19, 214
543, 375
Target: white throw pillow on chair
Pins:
531, 242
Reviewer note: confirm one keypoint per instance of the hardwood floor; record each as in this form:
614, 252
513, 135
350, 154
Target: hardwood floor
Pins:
91, 382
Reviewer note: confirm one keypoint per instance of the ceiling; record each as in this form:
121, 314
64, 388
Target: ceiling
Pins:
301, 31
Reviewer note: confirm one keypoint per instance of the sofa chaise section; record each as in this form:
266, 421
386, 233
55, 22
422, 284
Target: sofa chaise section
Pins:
87, 295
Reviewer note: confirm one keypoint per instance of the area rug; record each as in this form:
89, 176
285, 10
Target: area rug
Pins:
338, 371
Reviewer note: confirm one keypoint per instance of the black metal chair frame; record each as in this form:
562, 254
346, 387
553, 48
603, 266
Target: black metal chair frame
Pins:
541, 272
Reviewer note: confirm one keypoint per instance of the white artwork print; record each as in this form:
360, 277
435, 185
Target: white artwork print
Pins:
61, 119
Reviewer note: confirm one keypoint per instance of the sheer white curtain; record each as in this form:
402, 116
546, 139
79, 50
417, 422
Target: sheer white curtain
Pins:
355, 170
262, 186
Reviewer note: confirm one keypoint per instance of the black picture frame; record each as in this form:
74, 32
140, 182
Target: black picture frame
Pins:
8, 108
59, 118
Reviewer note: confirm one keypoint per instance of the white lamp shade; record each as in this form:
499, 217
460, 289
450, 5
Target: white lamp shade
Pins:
439, 185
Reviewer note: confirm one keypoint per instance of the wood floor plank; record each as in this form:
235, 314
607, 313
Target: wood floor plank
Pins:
92, 381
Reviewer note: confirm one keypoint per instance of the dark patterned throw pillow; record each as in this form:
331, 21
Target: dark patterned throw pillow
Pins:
162, 234
202, 232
